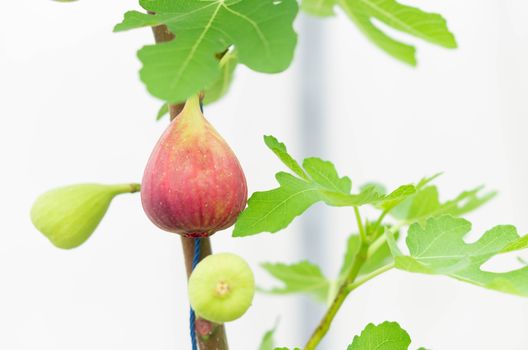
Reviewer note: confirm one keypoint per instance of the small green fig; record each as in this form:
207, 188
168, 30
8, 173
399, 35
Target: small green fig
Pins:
221, 288
67, 216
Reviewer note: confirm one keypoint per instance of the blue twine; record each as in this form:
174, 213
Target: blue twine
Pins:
192, 318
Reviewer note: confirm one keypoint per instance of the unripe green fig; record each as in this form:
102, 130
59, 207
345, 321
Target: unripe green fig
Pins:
67, 216
221, 287
193, 183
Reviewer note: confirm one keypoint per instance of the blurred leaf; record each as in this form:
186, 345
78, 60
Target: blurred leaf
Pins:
425, 203
260, 30
430, 27
380, 258
221, 85
396, 197
438, 247
164, 109
378, 187
268, 343
402, 193
385, 336
302, 277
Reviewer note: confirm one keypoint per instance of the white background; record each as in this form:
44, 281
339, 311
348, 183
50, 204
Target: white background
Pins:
73, 110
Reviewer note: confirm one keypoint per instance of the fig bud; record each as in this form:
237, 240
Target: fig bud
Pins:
221, 288
67, 216
193, 183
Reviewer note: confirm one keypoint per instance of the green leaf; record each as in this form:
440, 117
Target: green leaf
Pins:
260, 30
302, 277
219, 88
378, 187
438, 247
325, 175
425, 203
164, 109
268, 343
385, 336
396, 197
401, 194
381, 257
467, 201
430, 27
321, 8
280, 151
368, 195
69, 215
271, 211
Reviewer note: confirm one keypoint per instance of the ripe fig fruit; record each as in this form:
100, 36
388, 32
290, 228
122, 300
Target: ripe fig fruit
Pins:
221, 288
193, 183
67, 216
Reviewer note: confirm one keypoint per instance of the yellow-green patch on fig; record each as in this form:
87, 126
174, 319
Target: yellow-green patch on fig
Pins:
221, 288
68, 215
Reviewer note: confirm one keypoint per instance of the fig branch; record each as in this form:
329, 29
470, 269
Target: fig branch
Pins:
210, 335
350, 283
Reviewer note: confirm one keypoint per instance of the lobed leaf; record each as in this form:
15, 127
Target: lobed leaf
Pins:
325, 175
302, 277
425, 203
438, 247
260, 30
385, 336
430, 27
317, 181
396, 197
280, 151
271, 211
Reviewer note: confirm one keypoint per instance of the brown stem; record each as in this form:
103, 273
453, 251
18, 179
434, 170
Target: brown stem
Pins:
210, 336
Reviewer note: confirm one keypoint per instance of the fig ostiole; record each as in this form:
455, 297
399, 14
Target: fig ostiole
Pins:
193, 183
68, 215
221, 288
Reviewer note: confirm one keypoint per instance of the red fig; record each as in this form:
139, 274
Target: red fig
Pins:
193, 183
